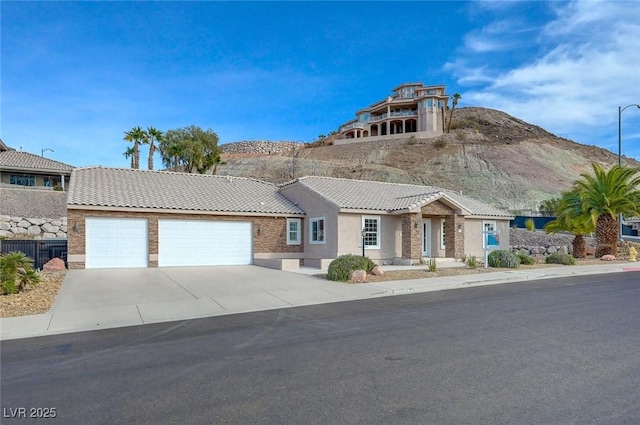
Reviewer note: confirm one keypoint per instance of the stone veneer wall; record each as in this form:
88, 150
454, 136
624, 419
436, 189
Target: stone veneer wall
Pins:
259, 146
13, 227
541, 243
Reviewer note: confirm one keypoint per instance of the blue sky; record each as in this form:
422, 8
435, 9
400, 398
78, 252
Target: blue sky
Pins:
77, 75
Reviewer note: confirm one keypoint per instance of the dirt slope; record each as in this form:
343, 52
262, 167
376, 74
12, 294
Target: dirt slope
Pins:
489, 155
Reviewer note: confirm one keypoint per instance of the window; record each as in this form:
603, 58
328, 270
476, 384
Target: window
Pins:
371, 227
443, 234
293, 231
22, 180
316, 230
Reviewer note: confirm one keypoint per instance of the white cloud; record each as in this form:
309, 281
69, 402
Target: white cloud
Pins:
587, 67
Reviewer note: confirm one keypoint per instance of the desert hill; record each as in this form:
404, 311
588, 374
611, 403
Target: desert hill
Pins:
488, 155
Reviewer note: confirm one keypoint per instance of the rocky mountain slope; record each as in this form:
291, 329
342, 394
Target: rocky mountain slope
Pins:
488, 155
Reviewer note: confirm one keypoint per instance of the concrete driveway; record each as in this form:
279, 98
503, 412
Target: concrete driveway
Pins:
91, 299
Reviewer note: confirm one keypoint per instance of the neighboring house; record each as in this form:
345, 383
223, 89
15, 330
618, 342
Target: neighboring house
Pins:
137, 218
26, 170
402, 223
413, 108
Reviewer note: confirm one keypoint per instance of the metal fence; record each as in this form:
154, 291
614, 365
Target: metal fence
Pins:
39, 251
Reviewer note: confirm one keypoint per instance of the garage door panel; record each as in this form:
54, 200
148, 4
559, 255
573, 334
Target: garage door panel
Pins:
116, 242
204, 243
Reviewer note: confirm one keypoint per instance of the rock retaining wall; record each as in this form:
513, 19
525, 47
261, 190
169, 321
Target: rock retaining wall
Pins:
259, 146
541, 243
13, 227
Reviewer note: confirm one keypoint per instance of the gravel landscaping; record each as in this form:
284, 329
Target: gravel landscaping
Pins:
35, 300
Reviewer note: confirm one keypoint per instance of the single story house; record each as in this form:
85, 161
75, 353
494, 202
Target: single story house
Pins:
20, 169
137, 218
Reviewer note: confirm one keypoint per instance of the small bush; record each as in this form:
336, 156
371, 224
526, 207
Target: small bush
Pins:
461, 136
440, 143
16, 273
530, 224
525, 259
432, 265
504, 259
341, 268
558, 258
471, 261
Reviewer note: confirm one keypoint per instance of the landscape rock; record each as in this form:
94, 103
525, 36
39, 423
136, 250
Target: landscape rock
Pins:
24, 223
50, 228
34, 230
377, 271
608, 257
53, 265
358, 276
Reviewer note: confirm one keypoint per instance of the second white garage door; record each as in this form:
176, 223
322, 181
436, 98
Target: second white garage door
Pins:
204, 243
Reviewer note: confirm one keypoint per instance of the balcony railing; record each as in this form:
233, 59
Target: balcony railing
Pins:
352, 125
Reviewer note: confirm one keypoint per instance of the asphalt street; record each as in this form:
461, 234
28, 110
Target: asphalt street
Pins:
563, 351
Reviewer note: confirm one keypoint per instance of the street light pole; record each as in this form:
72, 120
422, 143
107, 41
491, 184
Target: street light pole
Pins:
364, 233
620, 111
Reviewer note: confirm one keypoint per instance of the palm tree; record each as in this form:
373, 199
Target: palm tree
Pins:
603, 196
129, 154
217, 161
454, 103
153, 135
568, 220
137, 136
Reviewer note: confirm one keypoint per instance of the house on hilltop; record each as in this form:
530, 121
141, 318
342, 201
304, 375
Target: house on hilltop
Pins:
412, 108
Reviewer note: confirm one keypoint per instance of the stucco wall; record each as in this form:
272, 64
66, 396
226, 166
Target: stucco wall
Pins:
350, 236
315, 207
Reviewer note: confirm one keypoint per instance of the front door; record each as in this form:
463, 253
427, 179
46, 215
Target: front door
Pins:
426, 237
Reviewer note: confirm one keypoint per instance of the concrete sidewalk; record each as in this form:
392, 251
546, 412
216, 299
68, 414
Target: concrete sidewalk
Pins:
102, 299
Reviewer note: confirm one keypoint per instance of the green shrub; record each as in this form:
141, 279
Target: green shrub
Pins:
558, 258
432, 265
530, 224
461, 136
471, 261
439, 143
16, 273
525, 259
502, 258
341, 268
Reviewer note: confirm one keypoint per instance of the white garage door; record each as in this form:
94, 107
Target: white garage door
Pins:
116, 242
204, 243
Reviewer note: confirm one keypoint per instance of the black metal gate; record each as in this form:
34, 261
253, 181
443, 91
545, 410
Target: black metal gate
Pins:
39, 251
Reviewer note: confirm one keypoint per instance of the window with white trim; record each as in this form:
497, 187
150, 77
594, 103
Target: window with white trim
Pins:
443, 234
316, 230
371, 228
293, 231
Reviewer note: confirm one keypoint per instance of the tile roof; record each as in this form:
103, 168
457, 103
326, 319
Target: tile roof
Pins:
122, 187
381, 196
13, 159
